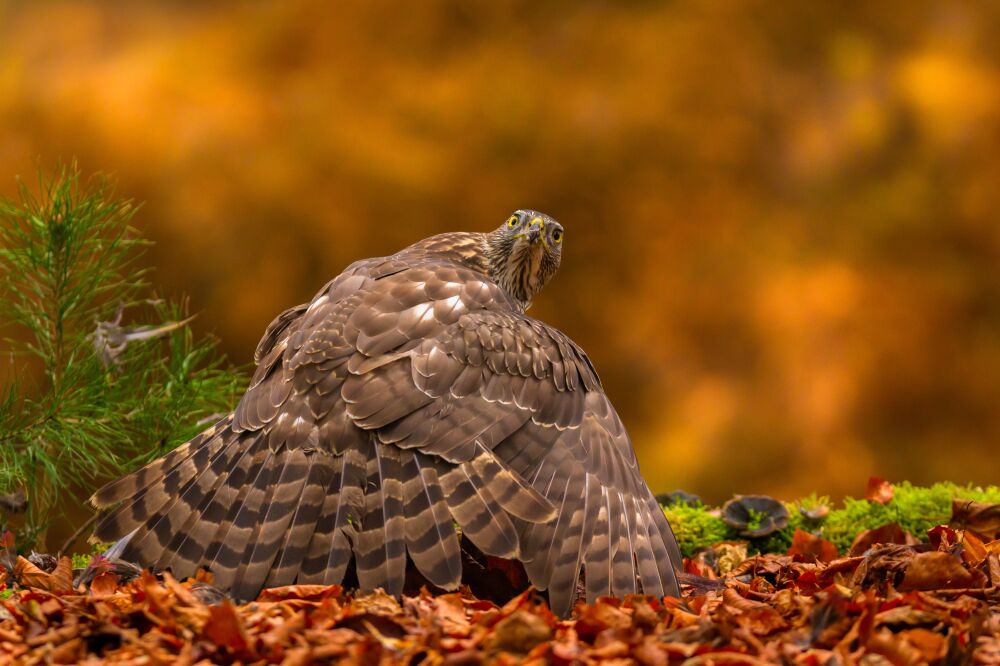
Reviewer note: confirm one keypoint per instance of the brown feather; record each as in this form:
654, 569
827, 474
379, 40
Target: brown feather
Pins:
412, 392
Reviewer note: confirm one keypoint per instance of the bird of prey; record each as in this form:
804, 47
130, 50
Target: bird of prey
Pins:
411, 398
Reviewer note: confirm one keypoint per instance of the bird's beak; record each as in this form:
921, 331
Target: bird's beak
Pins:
534, 230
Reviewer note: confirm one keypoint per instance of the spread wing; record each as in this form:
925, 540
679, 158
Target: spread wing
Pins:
408, 396
506, 382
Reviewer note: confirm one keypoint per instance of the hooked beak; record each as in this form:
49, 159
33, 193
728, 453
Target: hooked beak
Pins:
535, 229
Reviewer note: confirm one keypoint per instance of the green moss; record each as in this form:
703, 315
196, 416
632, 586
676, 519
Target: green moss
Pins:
754, 519
81, 560
916, 508
781, 541
695, 528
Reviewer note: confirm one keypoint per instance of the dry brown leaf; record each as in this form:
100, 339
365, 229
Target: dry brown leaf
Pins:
898, 652
812, 548
935, 570
62, 575
973, 549
888, 533
225, 628
762, 614
104, 584
979, 516
879, 490
518, 633
28, 575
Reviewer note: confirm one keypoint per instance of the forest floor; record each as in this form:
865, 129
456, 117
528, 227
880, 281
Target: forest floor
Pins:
895, 603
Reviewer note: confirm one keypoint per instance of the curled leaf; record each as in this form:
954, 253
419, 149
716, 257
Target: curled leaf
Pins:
979, 516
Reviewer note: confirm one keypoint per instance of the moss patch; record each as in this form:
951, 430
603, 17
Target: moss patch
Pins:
916, 508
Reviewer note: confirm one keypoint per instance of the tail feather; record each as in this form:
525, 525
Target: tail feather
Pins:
431, 539
510, 491
283, 494
152, 540
477, 512
225, 550
649, 572
664, 546
565, 550
597, 564
258, 511
304, 523
149, 506
131, 485
200, 540
329, 550
189, 511
321, 540
350, 509
380, 547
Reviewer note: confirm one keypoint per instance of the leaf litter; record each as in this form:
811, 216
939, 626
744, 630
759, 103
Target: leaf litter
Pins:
890, 600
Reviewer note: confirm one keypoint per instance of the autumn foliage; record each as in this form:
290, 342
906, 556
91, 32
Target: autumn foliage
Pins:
937, 602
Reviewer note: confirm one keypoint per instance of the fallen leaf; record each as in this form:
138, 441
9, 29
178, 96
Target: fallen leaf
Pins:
942, 537
812, 548
105, 583
898, 652
935, 570
888, 533
62, 576
224, 627
518, 633
29, 575
979, 516
879, 490
304, 592
973, 549
932, 645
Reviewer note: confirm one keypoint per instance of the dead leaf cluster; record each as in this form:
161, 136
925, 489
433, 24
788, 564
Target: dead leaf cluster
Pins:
891, 601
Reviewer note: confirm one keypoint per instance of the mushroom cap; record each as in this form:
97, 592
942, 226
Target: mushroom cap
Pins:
743, 510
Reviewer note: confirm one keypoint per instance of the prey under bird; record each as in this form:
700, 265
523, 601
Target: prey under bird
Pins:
412, 397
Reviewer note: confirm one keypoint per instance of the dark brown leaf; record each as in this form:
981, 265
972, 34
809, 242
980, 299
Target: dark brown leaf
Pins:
935, 570
888, 533
979, 516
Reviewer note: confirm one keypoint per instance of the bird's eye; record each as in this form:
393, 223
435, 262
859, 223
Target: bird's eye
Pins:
557, 236
512, 222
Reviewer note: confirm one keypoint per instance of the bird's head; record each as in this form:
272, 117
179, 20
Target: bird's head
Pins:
524, 253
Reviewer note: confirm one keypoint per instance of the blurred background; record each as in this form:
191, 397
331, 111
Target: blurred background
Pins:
782, 230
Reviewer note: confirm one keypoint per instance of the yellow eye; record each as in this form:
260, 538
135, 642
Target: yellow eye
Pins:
557, 236
512, 222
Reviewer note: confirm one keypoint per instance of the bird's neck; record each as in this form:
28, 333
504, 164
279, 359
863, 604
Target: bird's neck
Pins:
497, 250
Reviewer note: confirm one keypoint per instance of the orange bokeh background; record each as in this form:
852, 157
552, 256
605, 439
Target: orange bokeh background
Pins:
782, 218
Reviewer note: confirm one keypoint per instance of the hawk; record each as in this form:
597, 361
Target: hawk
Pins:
412, 398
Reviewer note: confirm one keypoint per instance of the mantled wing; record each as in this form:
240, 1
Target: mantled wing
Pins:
408, 396
484, 377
